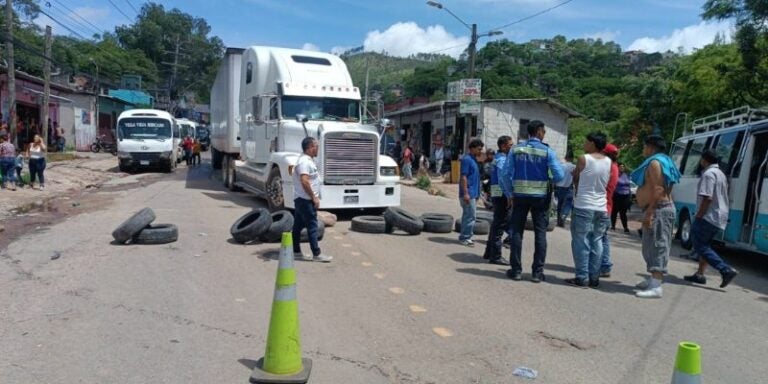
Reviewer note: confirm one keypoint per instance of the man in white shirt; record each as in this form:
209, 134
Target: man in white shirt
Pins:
306, 192
564, 191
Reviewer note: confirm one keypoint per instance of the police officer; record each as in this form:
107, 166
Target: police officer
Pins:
530, 168
500, 205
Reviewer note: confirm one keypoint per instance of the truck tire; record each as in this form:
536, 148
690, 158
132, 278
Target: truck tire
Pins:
437, 222
215, 158
157, 234
484, 215
404, 220
251, 225
304, 238
369, 224
133, 225
282, 221
274, 189
482, 227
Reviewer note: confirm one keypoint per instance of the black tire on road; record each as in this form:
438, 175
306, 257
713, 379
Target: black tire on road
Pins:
157, 234
550, 224
133, 225
437, 222
304, 238
484, 215
369, 224
251, 225
404, 220
482, 227
282, 221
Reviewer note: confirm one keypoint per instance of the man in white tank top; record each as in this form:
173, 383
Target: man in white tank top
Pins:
589, 218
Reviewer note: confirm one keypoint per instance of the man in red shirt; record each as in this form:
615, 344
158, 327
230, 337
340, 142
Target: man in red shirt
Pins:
187, 144
612, 152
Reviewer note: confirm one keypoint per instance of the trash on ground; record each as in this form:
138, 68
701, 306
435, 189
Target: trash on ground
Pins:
528, 373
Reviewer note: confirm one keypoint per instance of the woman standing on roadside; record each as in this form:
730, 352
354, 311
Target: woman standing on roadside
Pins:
622, 199
36, 154
7, 161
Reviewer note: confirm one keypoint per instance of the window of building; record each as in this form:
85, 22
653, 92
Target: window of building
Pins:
522, 133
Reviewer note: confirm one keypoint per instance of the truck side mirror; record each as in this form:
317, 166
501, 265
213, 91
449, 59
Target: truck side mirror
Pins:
301, 118
385, 122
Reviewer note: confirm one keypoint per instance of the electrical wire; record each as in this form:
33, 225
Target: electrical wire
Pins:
82, 27
518, 21
107, 53
121, 11
95, 28
132, 7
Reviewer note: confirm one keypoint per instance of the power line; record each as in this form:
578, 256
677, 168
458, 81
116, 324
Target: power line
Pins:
79, 24
132, 7
531, 16
120, 10
96, 28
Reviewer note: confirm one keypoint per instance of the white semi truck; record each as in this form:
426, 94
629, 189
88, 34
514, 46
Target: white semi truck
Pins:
266, 100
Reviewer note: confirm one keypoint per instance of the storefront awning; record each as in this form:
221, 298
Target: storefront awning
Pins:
54, 97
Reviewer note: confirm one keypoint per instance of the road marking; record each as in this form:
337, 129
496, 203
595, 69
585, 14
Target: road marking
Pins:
379, 275
355, 253
442, 332
366, 264
345, 245
337, 237
397, 290
417, 309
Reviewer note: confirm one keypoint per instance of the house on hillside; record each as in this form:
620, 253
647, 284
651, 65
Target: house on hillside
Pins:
439, 123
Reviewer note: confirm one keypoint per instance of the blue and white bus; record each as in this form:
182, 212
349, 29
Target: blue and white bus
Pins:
740, 139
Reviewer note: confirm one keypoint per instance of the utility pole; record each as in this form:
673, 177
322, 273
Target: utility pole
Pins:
11, 69
472, 52
46, 83
175, 67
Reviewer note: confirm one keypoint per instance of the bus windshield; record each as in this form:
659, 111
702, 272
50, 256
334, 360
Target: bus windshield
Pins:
321, 108
187, 130
139, 128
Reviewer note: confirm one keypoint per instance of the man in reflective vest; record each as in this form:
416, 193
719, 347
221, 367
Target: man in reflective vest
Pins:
530, 168
500, 204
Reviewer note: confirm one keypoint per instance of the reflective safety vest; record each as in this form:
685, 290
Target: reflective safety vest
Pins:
496, 169
531, 177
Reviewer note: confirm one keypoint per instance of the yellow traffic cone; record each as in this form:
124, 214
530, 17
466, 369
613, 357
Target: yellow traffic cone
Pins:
282, 362
687, 364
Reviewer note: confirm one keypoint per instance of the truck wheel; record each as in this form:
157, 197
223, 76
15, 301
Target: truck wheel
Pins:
133, 225
157, 234
231, 175
282, 221
402, 219
225, 171
437, 222
275, 197
369, 224
216, 158
251, 225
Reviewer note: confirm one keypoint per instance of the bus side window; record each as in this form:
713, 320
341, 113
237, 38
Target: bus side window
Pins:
693, 155
727, 150
678, 153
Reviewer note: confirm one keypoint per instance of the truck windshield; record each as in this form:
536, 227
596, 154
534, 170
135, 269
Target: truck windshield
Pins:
321, 108
143, 128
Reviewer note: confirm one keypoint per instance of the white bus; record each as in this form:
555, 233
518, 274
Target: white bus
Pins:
740, 139
147, 138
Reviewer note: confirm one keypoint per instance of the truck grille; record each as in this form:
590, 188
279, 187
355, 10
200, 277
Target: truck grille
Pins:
350, 158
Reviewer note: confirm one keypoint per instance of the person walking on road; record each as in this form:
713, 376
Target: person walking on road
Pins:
407, 162
655, 178
439, 157
606, 265
36, 154
7, 162
711, 218
187, 145
564, 191
590, 212
196, 149
526, 183
306, 189
500, 206
469, 191
622, 199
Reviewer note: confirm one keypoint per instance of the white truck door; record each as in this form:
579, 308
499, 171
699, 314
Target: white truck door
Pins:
256, 141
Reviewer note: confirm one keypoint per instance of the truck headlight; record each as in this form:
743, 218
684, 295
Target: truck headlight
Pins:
123, 155
388, 171
165, 155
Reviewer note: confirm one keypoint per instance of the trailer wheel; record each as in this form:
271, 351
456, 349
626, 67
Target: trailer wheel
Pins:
133, 225
215, 158
275, 196
157, 234
251, 225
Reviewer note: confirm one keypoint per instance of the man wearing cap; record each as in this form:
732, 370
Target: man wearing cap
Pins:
613, 153
590, 216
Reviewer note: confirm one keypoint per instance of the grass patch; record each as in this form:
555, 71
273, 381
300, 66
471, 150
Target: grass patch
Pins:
423, 182
61, 156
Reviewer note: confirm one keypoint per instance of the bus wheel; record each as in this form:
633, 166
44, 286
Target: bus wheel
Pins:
275, 197
685, 232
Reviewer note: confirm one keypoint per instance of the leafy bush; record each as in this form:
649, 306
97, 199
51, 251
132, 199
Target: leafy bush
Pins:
423, 182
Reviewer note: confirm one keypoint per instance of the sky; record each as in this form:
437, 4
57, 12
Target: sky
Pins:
405, 27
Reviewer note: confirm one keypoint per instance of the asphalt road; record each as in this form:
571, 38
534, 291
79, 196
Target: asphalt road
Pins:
388, 309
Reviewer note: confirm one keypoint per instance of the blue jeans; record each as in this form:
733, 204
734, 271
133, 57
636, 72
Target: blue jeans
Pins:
539, 208
305, 216
408, 170
587, 231
37, 171
8, 169
702, 233
501, 214
564, 202
606, 265
467, 218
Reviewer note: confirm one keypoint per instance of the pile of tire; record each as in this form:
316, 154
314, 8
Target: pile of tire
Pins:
138, 229
395, 218
263, 226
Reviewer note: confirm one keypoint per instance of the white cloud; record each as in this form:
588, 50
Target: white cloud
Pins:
310, 47
404, 39
605, 36
688, 38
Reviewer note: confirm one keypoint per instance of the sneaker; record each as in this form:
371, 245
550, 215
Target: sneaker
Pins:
576, 282
516, 276
468, 243
605, 274
651, 293
727, 277
499, 261
696, 278
538, 277
42, 187
323, 258
594, 283
301, 256
643, 284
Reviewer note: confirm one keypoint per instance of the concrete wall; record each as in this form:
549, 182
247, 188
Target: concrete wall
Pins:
82, 127
503, 118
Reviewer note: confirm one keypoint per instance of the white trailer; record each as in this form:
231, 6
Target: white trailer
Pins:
284, 96
225, 114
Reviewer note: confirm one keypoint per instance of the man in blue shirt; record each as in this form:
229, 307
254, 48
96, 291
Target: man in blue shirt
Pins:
531, 167
500, 205
469, 191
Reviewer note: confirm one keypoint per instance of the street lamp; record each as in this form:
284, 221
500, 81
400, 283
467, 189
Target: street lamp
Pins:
473, 38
